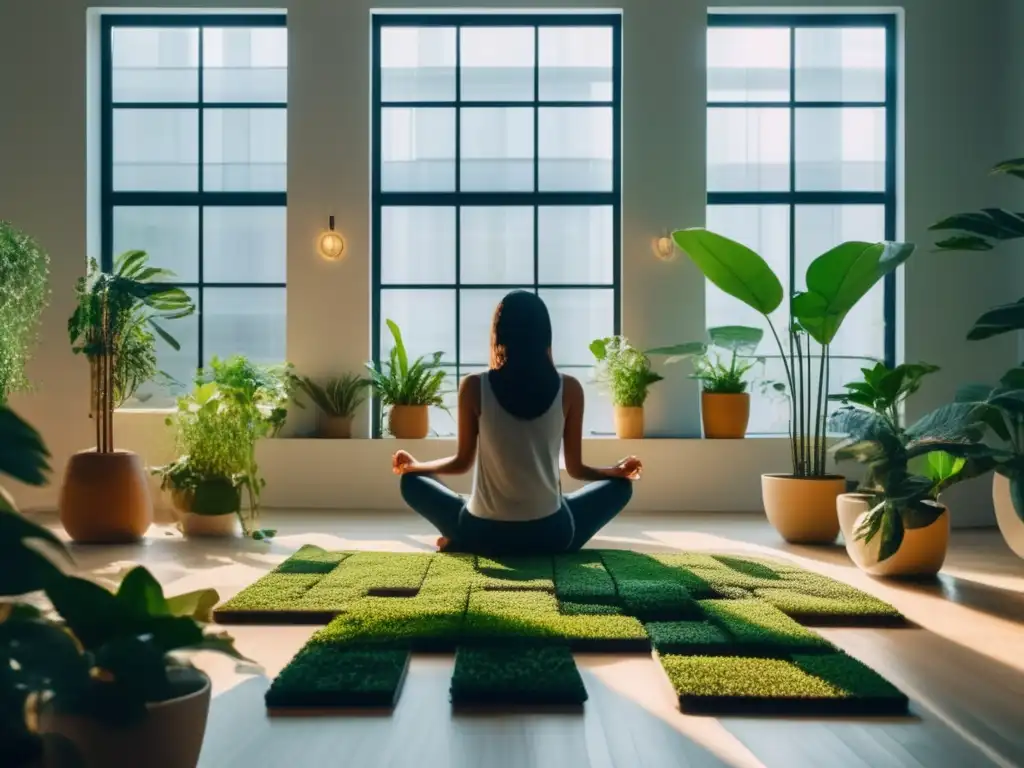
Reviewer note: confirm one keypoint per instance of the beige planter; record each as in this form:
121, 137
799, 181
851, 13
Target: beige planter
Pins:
922, 552
629, 422
803, 510
105, 498
335, 427
192, 524
409, 422
171, 736
1010, 524
724, 417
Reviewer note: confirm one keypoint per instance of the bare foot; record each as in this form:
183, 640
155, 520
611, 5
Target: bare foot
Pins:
443, 542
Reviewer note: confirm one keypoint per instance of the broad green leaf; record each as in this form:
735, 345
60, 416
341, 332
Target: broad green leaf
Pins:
599, 348
995, 322
171, 341
1013, 379
943, 466
91, 612
216, 496
736, 338
964, 243
197, 605
1017, 493
24, 569
891, 533
23, 455
141, 595
399, 348
679, 352
733, 267
919, 515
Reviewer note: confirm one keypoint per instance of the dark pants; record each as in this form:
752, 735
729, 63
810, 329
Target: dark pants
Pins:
582, 515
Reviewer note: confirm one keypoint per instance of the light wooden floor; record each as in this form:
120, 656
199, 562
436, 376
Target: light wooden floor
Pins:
963, 669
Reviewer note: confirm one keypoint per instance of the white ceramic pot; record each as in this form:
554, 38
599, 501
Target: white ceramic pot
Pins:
1010, 524
922, 552
192, 524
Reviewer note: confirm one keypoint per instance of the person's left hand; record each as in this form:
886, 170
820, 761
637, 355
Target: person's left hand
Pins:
401, 462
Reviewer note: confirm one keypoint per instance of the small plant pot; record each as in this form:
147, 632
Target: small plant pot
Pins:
725, 416
171, 735
409, 422
105, 498
195, 525
629, 422
335, 427
922, 552
1010, 524
803, 509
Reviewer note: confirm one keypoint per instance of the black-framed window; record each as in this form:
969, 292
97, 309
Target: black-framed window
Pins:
802, 125
496, 166
194, 166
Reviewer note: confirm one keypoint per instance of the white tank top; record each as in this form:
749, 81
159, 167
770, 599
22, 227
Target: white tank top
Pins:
517, 463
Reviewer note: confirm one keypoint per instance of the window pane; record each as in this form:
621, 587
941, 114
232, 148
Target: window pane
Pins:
417, 150
156, 150
476, 315
497, 63
417, 64
840, 64
497, 245
748, 150
748, 64
245, 150
576, 149
245, 64
597, 403
244, 321
417, 245
169, 235
155, 64
576, 244
179, 365
577, 318
426, 319
769, 410
442, 422
820, 228
575, 64
245, 244
497, 150
840, 149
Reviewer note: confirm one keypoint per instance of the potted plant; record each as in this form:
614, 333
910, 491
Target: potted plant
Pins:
99, 680
800, 504
24, 291
724, 400
336, 400
896, 524
105, 495
407, 389
234, 404
625, 372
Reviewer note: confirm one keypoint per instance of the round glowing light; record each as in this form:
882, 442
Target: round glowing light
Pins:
331, 244
664, 248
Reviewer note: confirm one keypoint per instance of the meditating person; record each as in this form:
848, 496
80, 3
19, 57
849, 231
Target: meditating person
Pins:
513, 421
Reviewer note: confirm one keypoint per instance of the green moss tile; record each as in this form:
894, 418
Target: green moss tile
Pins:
381, 572
762, 628
506, 573
690, 637
840, 610
274, 593
312, 559
495, 677
582, 578
656, 600
325, 676
588, 609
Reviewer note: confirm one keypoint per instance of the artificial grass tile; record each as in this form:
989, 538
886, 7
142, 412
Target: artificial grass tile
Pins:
272, 594
690, 637
381, 572
516, 676
757, 569
451, 573
582, 578
760, 628
722, 578
325, 598
656, 600
516, 572
588, 609
742, 685
312, 559
843, 610
686, 560
733, 593
633, 566
418, 623
332, 676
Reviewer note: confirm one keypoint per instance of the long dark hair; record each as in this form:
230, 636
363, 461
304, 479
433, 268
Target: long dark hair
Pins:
522, 375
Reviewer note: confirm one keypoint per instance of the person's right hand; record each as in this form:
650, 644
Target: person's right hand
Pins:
630, 468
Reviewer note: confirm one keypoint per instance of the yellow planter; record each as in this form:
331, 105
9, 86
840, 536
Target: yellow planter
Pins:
335, 427
803, 509
724, 416
409, 422
921, 553
629, 422
105, 498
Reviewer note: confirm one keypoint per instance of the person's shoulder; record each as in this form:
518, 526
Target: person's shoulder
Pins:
571, 385
470, 385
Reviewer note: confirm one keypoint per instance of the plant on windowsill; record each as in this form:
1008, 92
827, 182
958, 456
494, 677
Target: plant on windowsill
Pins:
625, 373
407, 389
24, 292
336, 400
215, 481
896, 525
724, 400
99, 680
105, 496
801, 504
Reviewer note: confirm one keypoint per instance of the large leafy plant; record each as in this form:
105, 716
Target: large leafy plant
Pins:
337, 397
623, 370
728, 376
401, 382
114, 324
906, 468
24, 272
836, 281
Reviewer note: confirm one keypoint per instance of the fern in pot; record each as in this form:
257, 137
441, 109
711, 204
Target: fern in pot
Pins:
408, 389
625, 372
336, 401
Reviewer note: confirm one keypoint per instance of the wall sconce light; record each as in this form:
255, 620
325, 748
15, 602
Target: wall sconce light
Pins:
664, 247
331, 243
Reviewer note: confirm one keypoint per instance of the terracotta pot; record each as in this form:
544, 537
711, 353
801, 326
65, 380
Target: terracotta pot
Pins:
335, 427
192, 524
629, 422
171, 736
1010, 524
921, 554
409, 422
803, 509
725, 416
105, 498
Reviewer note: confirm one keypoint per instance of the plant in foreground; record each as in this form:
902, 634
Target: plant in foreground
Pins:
401, 382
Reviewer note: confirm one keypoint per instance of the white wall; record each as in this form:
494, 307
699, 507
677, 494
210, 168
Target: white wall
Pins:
957, 118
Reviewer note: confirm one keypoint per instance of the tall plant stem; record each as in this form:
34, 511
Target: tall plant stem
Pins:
819, 463
789, 381
802, 423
